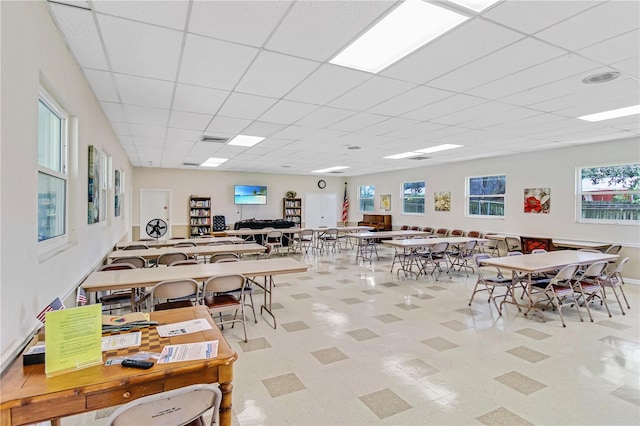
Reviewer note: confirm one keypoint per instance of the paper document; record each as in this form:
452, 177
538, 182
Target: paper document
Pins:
185, 327
119, 341
189, 352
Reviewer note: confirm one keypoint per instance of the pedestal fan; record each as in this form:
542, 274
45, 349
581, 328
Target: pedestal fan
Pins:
156, 228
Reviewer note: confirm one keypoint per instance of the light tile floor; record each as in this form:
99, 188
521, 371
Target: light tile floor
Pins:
355, 345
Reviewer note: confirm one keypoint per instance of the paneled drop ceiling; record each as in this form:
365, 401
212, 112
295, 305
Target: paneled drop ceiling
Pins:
507, 80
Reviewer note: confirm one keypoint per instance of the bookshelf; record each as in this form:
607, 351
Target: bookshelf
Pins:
199, 215
292, 210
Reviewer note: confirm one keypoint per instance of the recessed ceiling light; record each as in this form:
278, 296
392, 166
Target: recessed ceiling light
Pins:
409, 26
602, 77
476, 5
437, 148
330, 169
244, 140
403, 155
614, 113
213, 162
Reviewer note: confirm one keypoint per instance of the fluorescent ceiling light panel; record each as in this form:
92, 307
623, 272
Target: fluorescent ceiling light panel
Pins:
403, 155
330, 169
244, 140
614, 113
408, 27
437, 148
213, 162
475, 5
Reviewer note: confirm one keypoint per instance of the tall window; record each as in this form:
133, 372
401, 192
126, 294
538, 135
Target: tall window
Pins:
52, 170
366, 196
413, 197
609, 194
485, 195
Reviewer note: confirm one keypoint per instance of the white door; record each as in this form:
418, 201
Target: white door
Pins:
320, 210
155, 204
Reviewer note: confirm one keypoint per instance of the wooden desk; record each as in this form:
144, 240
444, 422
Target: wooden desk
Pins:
28, 396
153, 253
147, 277
171, 243
530, 264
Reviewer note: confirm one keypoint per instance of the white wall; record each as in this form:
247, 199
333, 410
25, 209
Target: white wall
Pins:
34, 52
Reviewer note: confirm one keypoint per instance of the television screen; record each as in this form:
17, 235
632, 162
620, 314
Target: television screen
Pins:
250, 194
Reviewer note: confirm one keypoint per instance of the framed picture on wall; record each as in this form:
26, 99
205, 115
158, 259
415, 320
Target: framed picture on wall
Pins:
95, 180
537, 200
385, 202
117, 202
442, 201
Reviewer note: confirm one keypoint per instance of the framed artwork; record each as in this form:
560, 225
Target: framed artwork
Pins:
95, 183
385, 202
117, 193
442, 201
537, 200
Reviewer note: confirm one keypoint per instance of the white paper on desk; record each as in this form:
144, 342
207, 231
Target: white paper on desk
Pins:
189, 352
184, 327
119, 341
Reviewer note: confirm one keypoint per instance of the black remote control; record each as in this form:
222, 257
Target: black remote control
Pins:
134, 363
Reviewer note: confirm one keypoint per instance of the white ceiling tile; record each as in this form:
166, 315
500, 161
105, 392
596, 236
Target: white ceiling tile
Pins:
325, 116
144, 91
287, 112
141, 49
274, 75
370, 93
320, 29
533, 16
102, 84
189, 120
239, 105
467, 42
142, 143
228, 125
538, 75
145, 131
81, 34
444, 107
601, 105
416, 130
213, 63
473, 113
183, 134
408, 101
513, 58
327, 83
387, 126
325, 137
244, 22
295, 132
631, 66
121, 128
357, 122
144, 115
504, 116
198, 99
615, 49
113, 111
170, 14
262, 128
594, 25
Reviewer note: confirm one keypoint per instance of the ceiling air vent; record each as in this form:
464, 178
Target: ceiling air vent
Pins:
336, 172
419, 157
190, 164
213, 139
601, 78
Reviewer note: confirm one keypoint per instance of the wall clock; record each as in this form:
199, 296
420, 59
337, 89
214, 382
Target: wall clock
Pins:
322, 184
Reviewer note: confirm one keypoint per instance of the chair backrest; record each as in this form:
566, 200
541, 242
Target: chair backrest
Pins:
538, 251
513, 243
469, 246
137, 261
457, 233
221, 256
414, 228
136, 247
618, 269
427, 229
594, 270
478, 258
404, 227
331, 233
514, 253
440, 248
306, 234
613, 249
473, 234
175, 407
224, 283
169, 258
174, 289
267, 252
442, 232
565, 274
116, 266
274, 236
185, 244
184, 262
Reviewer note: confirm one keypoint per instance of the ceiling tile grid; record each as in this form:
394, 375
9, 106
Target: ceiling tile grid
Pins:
507, 80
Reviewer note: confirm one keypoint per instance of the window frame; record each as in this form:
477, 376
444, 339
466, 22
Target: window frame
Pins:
49, 102
424, 197
469, 197
580, 193
372, 198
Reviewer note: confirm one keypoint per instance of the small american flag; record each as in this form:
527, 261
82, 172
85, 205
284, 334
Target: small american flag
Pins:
345, 205
56, 305
81, 298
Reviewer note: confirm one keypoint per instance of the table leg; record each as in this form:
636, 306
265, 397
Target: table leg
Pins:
225, 413
266, 305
